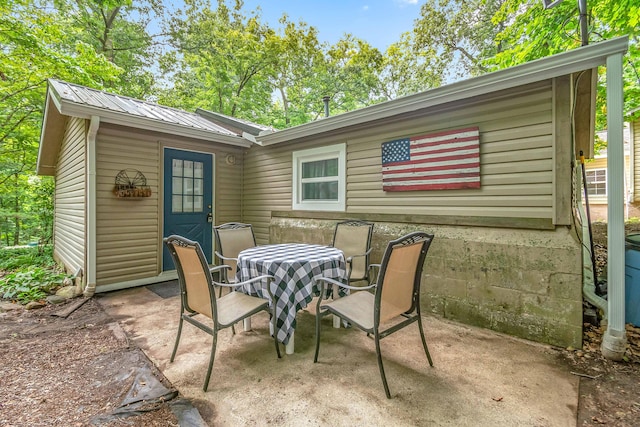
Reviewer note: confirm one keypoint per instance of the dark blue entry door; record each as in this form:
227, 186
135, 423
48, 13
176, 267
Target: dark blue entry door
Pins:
188, 190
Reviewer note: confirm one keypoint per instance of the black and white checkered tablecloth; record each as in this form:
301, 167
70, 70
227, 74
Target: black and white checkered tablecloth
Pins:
294, 266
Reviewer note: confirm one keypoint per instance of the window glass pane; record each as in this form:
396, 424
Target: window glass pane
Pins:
320, 168
176, 203
198, 203
320, 190
198, 188
188, 169
198, 169
597, 182
177, 186
187, 188
177, 167
187, 203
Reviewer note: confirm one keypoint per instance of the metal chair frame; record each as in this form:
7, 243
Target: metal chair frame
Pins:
219, 252
187, 313
349, 260
410, 316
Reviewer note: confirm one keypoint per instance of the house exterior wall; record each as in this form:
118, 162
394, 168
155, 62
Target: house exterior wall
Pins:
129, 231
69, 199
598, 208
496, 259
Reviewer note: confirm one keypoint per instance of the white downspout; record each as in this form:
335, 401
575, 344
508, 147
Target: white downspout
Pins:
90, 287
614, 341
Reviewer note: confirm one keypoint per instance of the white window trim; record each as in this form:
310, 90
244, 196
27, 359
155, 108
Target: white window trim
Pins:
606, 183
322, 153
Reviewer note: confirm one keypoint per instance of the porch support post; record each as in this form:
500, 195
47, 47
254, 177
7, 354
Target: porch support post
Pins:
90, 198
615, 340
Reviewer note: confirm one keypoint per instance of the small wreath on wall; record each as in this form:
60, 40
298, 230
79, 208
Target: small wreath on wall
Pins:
131, 183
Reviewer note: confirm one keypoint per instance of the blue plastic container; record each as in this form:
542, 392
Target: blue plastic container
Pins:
632, 279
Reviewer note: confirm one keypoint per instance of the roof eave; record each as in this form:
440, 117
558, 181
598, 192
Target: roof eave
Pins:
51, 130
71, 108
579, 59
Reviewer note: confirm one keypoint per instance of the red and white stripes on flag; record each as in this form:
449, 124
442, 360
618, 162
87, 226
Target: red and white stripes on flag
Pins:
448, 160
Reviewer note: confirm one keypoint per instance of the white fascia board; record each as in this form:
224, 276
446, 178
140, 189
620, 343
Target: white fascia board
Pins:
43, 126
83, 111
582, 58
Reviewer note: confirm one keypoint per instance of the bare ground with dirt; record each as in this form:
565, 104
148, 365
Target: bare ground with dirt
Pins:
69, 372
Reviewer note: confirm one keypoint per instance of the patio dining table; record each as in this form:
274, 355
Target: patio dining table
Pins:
295, 267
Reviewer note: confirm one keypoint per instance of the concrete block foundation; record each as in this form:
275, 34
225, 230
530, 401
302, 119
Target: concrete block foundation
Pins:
525, 283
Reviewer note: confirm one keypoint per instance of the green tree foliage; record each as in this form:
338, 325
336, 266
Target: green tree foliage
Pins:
351, 78
407, 70
229, 61
116, 29
219, 62
35, 46
297, 58
38, 42
460, 33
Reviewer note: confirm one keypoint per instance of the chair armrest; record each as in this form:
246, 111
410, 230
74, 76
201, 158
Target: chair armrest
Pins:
218, 268
348, 260
269, 279
342, 285
225, 257
324, 280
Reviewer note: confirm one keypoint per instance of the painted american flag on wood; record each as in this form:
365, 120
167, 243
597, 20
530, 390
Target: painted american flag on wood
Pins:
448, 160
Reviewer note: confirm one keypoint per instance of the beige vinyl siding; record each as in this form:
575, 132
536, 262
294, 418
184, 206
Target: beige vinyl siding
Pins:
127, 229
228, 188
516, 155
267, 186
69, 223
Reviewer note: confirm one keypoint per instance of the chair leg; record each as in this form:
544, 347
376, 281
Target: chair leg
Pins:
424, 342
382, 375
211, 358
175, 347
315, 358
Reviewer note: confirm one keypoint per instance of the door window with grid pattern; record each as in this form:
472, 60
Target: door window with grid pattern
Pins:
187, 194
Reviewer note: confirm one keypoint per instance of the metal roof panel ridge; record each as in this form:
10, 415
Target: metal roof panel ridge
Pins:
82, 101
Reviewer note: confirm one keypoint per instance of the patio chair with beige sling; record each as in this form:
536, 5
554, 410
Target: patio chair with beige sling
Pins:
391, 303
198, 297
353, 238
231, 239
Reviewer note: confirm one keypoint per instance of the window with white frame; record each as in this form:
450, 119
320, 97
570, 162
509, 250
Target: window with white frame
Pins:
596, 182
319, 178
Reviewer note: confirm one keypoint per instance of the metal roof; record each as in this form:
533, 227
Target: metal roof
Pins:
115, 108
242, 124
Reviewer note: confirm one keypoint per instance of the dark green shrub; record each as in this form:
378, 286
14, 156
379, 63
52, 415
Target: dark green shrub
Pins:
31, 274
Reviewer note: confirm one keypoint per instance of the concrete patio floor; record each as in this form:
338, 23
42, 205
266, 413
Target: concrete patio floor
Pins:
479, 378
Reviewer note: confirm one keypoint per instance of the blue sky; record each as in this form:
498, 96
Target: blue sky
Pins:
379, 22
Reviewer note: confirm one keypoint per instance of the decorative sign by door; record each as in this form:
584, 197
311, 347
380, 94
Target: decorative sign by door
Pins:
448, 160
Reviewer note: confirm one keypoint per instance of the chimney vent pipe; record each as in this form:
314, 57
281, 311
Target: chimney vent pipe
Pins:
325, 99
